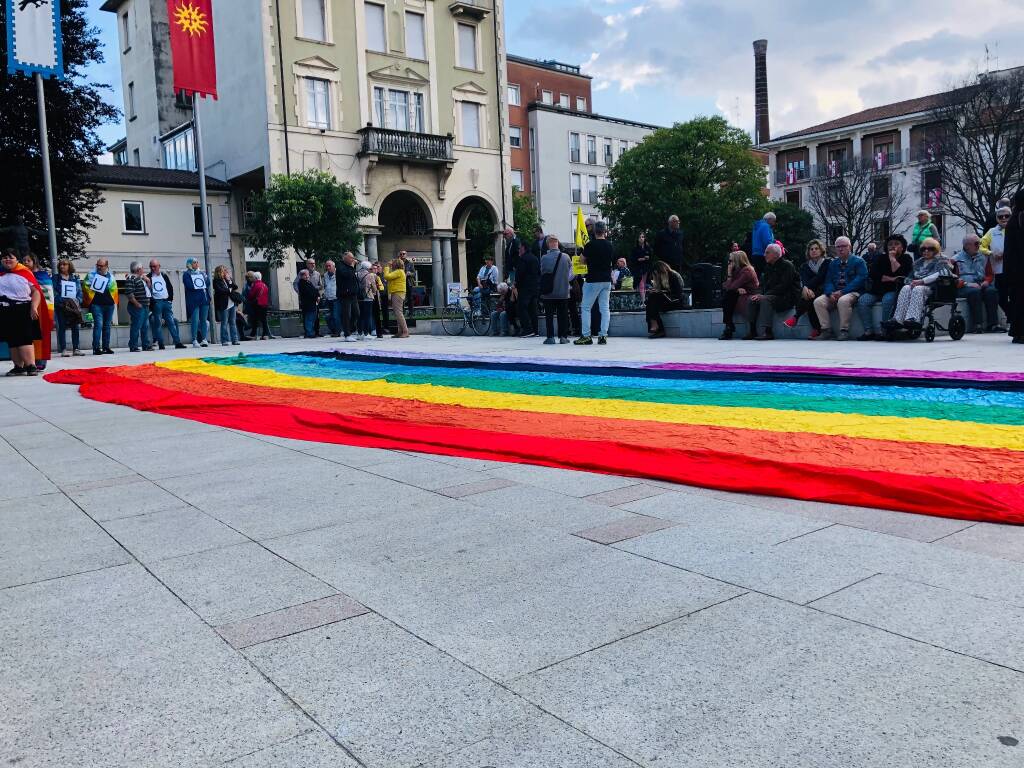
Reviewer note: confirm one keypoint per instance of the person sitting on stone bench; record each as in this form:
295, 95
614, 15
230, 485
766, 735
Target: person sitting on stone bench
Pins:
781, 290
913, 297
845, 281
664, 294
976, 286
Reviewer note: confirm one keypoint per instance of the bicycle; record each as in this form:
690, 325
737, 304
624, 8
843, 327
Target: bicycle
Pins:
469, 310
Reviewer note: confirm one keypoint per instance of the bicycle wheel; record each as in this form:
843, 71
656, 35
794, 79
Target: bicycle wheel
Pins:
453, 320
482, 322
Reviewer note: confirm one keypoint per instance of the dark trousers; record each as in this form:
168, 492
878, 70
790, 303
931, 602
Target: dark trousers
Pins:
758, 263
1004, 294
987, 296
656, 304
366, 317
380, 309
561, 307
729, 301
806, 307
349, 314
309, 322
528, 311
761, 313
333, 315
258, 323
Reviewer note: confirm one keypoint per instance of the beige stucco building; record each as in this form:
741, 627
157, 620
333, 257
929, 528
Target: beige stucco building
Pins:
403, 99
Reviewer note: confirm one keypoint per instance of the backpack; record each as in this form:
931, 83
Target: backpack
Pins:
547, 279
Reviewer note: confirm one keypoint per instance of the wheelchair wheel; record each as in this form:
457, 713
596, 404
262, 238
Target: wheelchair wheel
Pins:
957, 327
929, 333
453, 320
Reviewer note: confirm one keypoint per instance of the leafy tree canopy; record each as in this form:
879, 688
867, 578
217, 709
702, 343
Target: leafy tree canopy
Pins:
525, 215
75, 108
312, 213
703, 171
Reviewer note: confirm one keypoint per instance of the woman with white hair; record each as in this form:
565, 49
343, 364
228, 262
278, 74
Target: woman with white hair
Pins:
913, 297
923, 229
259, 300
992, 245
367, 296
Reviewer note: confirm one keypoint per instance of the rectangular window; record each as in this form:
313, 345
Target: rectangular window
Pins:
180, 152
581, 103
134, 215
126, 32
793, 196
517, 179
547, 97
592, 150
574, 147
515, 136
513, 96
314, 20
197, 222
623, 146
470, 124
131, 101
609, 152
318, 103
592, 190
380, 106
575, 193
136, 159
563, 100
467, 46
398, 110
376, 31
880, 188
417, 113
415, 37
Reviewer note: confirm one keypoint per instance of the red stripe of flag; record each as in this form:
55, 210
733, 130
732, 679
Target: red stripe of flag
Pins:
192, 47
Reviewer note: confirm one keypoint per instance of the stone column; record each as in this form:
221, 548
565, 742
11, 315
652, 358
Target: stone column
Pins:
499, 255
371, 248
438, 297
446, 260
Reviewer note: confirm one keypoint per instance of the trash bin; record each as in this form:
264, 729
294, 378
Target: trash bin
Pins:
707, 286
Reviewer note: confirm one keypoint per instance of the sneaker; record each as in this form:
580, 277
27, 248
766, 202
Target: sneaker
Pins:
148, 349
790, 322
978, 329
532, 336
815, 333
602, 339
563, 340
867, 337
204, 343
347, 338
195, 344
844, 335
750, 335
360, 337
550, 340
225, 344
65, 353
236, 343
30, 371
134, 349
825, 334
583, 341
161, 346
77, 353
179, 345
108, 351
726, 335
996, 329
97, 351
768, 335
16, 371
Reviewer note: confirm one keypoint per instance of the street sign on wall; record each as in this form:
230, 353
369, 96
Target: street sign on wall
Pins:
34, 38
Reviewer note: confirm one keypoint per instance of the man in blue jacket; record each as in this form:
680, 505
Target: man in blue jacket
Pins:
845, 281
762, 236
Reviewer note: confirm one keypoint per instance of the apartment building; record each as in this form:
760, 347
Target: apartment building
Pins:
542, 82
404, 99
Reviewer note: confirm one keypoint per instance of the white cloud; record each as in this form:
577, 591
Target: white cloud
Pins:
824, 60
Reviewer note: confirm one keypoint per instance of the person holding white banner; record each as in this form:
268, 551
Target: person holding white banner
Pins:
68, 296
101, 294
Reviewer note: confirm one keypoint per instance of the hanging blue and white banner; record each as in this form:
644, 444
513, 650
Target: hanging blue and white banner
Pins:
33, 38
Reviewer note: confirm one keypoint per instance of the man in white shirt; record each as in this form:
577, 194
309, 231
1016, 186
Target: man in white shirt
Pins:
162, 306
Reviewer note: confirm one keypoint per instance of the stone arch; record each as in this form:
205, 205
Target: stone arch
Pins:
406, 221
472, 242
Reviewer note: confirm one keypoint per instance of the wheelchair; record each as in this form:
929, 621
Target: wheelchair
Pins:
944, 294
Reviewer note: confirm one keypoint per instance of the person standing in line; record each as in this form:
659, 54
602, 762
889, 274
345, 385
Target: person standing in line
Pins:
162, 306
309, 303
318, 283
395, 278
510, 252
641, 261
1013, 267
762, 236
225, 303
538, 246
367, 294
555, 276
528, 293
380, 305
100, 290
259, 301
197, 300
993, 245
21, 301
668, 245
330, 299
68, 298
598, 255
139, 297
348, 295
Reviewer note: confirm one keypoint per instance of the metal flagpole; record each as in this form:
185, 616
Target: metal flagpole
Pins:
201, 165
44, 146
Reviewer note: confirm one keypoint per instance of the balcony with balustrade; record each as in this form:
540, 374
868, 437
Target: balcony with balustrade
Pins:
408, 148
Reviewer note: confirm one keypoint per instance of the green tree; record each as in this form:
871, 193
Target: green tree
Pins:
524, 214
311, 213
794, 226
75, 108
703, 171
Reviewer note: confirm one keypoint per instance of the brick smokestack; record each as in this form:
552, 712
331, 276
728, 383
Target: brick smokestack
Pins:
761, 130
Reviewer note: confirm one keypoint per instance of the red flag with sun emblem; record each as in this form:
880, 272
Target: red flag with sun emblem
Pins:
195, 61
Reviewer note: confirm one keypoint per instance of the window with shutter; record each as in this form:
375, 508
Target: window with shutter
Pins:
415, 40
314, 20
376, 31
470, 124
467, 46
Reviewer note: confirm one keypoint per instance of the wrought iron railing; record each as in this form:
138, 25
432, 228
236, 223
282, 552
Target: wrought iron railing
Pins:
416, 146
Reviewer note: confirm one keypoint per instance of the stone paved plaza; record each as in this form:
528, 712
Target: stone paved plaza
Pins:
175, 594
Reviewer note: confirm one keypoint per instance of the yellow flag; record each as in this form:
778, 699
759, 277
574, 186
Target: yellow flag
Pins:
582, 236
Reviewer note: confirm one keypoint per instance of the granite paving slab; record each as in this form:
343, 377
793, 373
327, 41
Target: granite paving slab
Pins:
171, 533
290, 621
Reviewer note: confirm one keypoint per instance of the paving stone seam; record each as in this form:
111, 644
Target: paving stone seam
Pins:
954, 533
236, 758
130, 561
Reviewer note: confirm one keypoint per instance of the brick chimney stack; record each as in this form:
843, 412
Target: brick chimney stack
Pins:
761, 130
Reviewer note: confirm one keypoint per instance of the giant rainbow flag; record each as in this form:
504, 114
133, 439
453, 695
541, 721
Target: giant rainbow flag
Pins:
940, 443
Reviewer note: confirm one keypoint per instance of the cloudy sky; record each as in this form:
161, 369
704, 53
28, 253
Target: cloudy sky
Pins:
661, 61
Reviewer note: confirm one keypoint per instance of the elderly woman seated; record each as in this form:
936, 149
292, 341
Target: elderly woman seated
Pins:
913, 297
